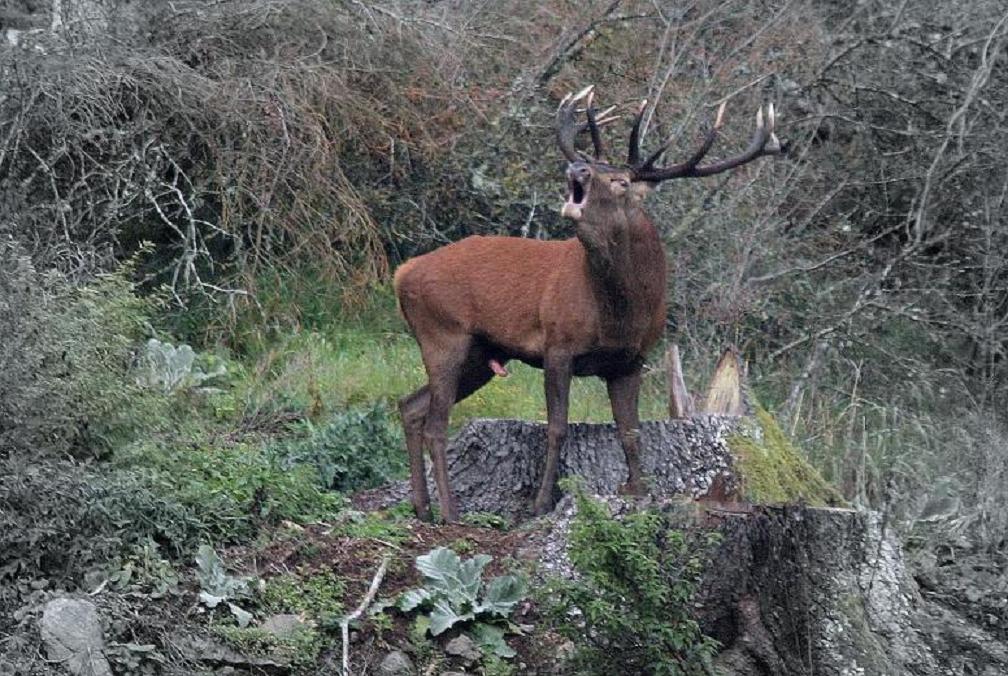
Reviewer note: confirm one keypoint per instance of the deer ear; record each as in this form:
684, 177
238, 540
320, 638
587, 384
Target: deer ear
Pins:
640, 189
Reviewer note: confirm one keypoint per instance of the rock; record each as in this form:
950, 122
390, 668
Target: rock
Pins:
215, 653
396, 663
465, 649
73, 636
453, 673
282, 626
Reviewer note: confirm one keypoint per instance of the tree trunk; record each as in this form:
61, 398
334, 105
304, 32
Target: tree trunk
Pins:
680, 401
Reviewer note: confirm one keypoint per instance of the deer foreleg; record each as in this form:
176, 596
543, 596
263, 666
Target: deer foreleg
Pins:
624, 393
558, 377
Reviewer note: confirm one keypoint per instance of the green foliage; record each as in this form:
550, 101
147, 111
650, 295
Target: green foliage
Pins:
171, 368
60, 518
485, 520
494, 665
629, 610
357, 448
774, 471
234, 488
65, 356
453, 595
388, 526
320, 596
143, 569
301, 646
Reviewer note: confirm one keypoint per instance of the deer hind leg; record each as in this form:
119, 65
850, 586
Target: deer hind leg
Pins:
413, 412
557, 382
474, 374
448, 372
624, 392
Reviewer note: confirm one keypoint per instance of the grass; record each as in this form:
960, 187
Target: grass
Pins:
362, 358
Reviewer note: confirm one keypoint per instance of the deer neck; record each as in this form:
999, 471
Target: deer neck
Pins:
626, 267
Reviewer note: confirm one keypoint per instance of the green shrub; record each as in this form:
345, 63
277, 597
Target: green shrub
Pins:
319, 596
58, 518
300, 647
357, 448
234, 488
629, 610
65, 356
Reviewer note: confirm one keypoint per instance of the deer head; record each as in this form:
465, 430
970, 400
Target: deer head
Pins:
605, 187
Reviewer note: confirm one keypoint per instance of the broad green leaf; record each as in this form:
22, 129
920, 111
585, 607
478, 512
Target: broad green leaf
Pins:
383, 604
502, 594
443, 617
209, 600
412, 599
214, 580
491, 640
470, 575
439, 567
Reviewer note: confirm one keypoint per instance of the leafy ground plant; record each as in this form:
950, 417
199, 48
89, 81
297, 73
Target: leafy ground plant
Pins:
453, 596
629, 610
217, 586
357, 448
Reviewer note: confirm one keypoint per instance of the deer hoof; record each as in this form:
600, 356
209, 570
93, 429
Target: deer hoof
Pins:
541, 508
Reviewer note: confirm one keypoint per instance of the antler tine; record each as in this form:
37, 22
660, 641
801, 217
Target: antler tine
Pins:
633, 154
566, 130
763, 142
602, 119
593, 128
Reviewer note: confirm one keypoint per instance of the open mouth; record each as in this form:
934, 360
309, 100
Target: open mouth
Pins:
577, 193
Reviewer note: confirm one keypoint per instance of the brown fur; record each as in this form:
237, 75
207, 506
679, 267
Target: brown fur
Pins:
591, 305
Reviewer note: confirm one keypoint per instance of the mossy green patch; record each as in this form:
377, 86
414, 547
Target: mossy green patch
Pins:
318, 596
300, 647
774, 471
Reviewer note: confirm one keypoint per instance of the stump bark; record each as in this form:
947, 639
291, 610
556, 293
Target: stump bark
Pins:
496, 465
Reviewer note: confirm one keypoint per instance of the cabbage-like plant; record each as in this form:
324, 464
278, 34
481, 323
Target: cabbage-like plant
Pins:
453, 594
169, 368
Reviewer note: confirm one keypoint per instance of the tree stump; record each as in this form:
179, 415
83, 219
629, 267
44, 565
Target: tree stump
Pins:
790, 590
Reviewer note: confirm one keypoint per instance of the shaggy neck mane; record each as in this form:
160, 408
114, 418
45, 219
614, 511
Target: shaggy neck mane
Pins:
622, 260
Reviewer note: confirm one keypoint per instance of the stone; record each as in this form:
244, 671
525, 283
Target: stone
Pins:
282, 626
396, 663
213, 652
465, 649
73, 637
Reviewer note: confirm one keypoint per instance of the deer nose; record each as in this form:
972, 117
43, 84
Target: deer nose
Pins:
578, 171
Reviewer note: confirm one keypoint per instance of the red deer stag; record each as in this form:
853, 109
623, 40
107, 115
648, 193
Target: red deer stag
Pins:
592, 305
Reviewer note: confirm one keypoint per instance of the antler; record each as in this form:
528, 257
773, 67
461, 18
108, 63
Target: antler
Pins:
763, 142
567, 129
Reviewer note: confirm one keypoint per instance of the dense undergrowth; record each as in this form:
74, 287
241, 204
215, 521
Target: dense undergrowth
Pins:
241, 179
629, 610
